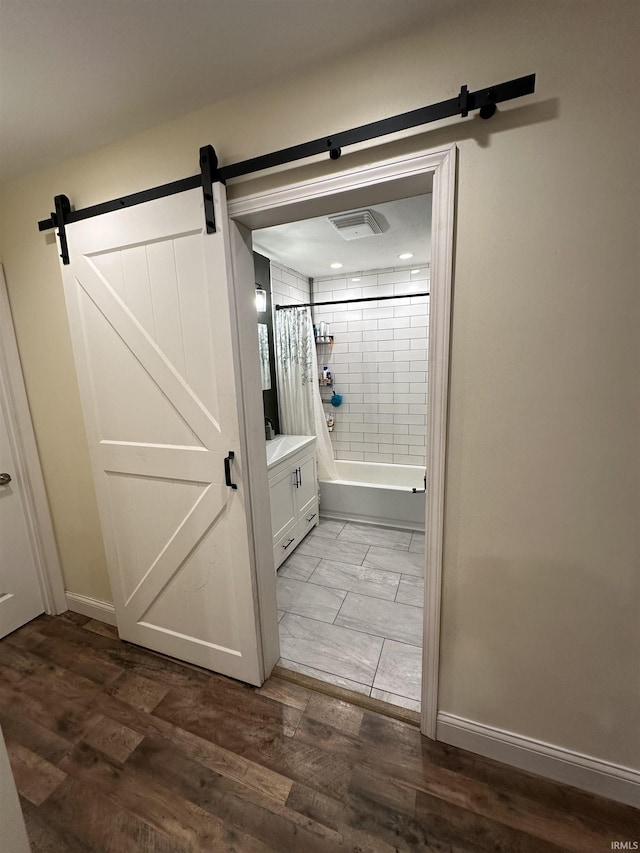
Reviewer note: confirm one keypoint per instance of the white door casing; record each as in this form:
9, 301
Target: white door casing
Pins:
30, 576
387, 179
150, 301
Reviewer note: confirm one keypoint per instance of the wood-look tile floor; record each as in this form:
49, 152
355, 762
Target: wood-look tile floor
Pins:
117, 749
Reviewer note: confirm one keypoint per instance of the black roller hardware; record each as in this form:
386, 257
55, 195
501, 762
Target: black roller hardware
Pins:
461, 105
63, 209
209, 172
484, 100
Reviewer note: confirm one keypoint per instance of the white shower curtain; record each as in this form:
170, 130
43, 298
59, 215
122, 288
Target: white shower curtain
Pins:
301, 411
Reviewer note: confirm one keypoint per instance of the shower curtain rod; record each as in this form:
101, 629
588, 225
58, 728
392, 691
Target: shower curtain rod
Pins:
346, 301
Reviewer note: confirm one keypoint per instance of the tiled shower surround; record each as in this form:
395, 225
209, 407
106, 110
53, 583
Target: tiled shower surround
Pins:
379, 364
288, 287
378, 359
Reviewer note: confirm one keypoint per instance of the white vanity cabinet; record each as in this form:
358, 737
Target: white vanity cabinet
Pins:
293, 491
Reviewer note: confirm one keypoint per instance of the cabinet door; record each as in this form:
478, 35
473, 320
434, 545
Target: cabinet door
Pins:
282, 497
307, 491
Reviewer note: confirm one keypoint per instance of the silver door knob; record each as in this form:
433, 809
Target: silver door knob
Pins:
5, 479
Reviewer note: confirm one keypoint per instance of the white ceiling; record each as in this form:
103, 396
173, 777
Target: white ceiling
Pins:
312, 245
78, 74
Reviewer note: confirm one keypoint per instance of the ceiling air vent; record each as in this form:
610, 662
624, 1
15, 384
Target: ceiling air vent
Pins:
359, 223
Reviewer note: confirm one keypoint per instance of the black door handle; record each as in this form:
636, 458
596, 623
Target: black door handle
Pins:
227, 470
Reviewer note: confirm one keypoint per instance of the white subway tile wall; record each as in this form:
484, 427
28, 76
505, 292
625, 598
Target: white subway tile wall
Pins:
288, 287
379, 363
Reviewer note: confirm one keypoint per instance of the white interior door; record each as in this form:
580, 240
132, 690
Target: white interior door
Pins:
20, 594
152, 315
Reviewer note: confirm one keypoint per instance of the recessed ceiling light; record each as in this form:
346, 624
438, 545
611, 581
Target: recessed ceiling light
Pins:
413, 272
405, 256
355, 279
336, 266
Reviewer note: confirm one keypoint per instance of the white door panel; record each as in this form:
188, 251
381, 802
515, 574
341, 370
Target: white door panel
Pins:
149, 296
20, 595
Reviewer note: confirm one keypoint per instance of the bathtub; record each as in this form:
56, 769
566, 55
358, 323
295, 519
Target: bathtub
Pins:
375, 492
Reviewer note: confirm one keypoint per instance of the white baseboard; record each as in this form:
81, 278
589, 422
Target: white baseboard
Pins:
554, 762
91, 607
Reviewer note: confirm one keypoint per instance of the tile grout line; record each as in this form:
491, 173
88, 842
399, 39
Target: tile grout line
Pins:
420, 606
390, 692
319, 621
357, 630
309, 582
335, 674
384, 640
366, 633
403, 549
339, 589
338, 613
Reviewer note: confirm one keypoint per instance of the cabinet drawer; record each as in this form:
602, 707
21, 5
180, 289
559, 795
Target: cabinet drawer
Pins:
285, 544
308, 520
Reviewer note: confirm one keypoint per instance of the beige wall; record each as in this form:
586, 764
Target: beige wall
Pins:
540, 631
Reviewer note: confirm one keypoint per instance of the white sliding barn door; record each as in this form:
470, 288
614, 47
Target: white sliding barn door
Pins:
152, 315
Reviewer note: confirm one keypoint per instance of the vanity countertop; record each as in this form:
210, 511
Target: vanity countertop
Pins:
282, 446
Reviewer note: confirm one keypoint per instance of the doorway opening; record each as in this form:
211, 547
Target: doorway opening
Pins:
346, 449
364, 180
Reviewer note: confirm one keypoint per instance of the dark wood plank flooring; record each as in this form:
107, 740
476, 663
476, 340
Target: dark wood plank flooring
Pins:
120, 750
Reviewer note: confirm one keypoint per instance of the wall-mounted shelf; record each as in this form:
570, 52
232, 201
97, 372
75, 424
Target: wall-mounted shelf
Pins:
324, 384
325, 339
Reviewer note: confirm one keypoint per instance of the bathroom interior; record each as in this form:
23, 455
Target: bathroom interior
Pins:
343, 324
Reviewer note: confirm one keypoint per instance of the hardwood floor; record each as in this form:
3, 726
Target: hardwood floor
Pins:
117, 749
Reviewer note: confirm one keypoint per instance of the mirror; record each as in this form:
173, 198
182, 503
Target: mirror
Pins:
263, 347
